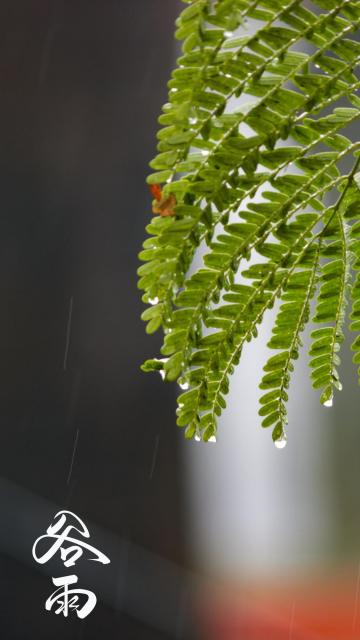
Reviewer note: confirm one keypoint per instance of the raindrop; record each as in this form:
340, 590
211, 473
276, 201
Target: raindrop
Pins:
280, 443
228, 34
174, 90
212, 439
183, 384
153, 300
227, 75
329, 402
162, 371
193, 120
204, 152
197, 438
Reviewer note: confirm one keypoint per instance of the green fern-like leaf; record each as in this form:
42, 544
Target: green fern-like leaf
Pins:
252, 149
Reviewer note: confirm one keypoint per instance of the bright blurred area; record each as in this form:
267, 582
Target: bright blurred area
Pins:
277, 531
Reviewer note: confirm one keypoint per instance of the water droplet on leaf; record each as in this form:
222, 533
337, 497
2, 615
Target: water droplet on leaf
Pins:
183, 384
162, 371
329, 402
197, 438
212, 439
153, 300
280, 443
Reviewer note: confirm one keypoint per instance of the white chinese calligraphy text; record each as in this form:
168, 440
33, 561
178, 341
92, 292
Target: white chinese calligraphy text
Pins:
58, 533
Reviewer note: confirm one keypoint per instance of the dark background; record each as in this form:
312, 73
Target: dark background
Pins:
82, 83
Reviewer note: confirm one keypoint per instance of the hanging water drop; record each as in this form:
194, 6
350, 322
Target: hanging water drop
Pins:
281, 442
153, 300
228, 34
212, 439
204, 152
183, 384
162, 371
193, 120
197, 438
327, 397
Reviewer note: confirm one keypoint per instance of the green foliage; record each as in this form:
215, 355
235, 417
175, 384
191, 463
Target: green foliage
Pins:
253, 147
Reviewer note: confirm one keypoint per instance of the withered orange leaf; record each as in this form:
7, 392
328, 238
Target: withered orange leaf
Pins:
155, 191
164, 206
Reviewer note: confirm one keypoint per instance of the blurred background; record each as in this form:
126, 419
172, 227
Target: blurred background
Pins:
233, 540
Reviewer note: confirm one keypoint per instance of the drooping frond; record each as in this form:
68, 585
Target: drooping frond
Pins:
331, 306
252, 149
290, 322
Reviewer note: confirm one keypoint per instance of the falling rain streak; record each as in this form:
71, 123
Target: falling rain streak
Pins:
73, 456
68, 332
155, 452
